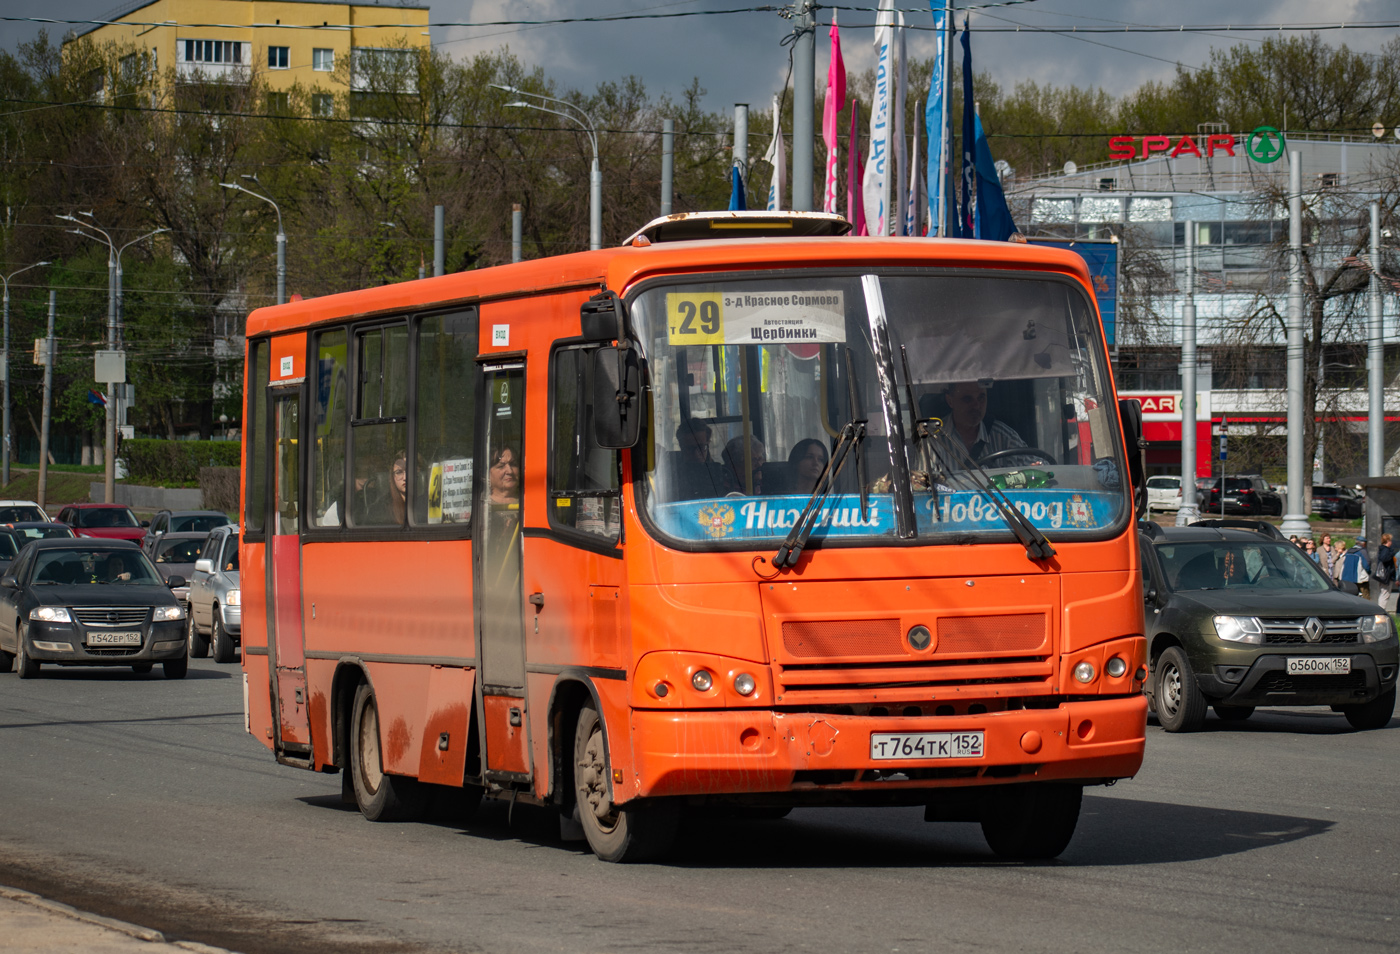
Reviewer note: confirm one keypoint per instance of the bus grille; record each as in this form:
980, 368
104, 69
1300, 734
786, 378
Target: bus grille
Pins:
1011, 633
842, 637
917, 680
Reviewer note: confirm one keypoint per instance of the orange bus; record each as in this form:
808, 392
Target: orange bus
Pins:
741, 515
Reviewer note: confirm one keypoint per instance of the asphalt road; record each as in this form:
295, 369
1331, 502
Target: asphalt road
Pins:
142, 799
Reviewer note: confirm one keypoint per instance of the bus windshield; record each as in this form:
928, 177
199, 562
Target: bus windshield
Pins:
962, 380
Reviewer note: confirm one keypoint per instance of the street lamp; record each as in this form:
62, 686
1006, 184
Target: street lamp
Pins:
5, 477
114, 295
281, 235
595, 177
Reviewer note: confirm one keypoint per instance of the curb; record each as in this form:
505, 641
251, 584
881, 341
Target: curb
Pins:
110, 924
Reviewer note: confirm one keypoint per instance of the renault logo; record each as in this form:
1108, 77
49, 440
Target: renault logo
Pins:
1313, 629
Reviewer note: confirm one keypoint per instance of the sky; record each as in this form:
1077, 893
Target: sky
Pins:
740, 58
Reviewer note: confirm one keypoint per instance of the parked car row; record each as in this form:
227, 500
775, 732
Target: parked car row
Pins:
1250, 495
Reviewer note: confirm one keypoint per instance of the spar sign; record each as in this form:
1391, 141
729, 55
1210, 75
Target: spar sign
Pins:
1265, 144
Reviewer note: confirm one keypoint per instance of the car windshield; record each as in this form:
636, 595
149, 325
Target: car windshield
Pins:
231, 555
100, 518
76, 567
1327, 491
44, 533
753, 381
1164, 483
197, 523
1233, 566
16, 514
179, 551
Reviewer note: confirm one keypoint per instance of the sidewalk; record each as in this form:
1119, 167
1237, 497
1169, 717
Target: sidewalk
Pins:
30, 924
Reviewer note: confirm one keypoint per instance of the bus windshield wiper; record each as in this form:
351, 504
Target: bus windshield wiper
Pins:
1036, 543
849, 440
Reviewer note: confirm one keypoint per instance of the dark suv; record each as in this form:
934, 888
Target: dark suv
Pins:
1245, 493
1335, 503
1235, 619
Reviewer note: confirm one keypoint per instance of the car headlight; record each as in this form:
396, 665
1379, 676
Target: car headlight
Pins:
1238, 629
167, 613
234, 598
50, 614
1376, 629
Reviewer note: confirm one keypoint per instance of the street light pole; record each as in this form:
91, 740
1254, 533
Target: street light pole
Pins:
281, 236
5, 451
595, 174
113, 293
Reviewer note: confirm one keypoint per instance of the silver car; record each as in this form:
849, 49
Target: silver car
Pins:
216, 605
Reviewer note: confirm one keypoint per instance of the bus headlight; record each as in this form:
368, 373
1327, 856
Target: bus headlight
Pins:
1115, 666
702, 680
744, 684
1084, 672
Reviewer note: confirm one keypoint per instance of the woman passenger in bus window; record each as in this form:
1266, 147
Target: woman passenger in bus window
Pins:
806, 461
504, 477
398, 489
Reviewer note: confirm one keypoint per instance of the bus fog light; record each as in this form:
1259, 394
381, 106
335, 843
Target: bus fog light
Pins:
744, 684
661, 690
1115, 666
702, 680
1084, 672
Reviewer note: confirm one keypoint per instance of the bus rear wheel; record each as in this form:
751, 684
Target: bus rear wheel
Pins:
1032, 822
634, 833
380, 796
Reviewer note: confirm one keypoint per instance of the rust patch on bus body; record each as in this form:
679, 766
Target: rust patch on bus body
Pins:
320, 729
397, 742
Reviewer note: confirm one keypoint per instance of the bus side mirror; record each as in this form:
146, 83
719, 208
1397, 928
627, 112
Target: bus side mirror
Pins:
603, 318
617, 397
1130, 414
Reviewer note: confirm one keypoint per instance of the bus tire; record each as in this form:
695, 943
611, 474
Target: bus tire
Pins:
1180, 705
223, 642
199, 643
636, 833
380, 796
1032, 822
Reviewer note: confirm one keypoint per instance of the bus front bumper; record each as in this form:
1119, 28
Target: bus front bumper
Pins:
739, 752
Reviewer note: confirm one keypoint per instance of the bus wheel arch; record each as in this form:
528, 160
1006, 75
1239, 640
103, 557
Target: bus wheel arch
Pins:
346, 681
571, 692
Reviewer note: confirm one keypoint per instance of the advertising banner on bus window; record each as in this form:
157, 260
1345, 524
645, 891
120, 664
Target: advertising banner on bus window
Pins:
1102, 259
450, 491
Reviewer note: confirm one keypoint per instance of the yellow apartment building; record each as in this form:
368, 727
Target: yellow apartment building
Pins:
284, 41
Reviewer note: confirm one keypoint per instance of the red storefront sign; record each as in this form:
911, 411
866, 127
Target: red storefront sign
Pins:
1141, 147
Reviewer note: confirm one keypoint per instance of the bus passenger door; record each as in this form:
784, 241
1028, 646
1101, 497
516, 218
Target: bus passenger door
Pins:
497, 558
284, 577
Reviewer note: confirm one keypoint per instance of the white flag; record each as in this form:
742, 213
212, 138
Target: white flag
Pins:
898, 147
776, 156
873, 182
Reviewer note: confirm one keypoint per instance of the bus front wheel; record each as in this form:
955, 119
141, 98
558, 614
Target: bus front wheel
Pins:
380, 796
634, 833
1031, 822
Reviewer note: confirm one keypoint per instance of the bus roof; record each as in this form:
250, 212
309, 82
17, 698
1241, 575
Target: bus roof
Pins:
621, 267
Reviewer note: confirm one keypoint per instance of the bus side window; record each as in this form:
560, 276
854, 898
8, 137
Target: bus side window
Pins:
583, 479
379, 432
440, 484
255, 421
328, 430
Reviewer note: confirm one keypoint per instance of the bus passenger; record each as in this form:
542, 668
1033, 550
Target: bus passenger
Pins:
734, 466
694, 473
398, 490
367, 500
806, 461
504, 476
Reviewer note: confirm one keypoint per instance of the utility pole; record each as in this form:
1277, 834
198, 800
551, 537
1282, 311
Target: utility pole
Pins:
516, 222
1295, 521
1376, 364
668, 163
439, 241
1188, 513
49, 348
5, 369
804, 83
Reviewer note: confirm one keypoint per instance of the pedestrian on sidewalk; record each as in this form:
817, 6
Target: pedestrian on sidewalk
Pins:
1356, 567
1334, 569
1383, 574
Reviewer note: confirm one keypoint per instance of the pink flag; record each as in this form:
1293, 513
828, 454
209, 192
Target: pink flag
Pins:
855, 208
835, 102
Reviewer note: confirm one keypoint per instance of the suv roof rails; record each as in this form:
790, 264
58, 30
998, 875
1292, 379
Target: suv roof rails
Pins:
1258, 526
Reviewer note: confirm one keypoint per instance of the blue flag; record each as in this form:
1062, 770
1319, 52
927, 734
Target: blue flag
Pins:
966, 220
738, 202
993, 216
936, 121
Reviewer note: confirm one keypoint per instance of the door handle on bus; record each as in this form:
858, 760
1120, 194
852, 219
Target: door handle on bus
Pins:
537, 600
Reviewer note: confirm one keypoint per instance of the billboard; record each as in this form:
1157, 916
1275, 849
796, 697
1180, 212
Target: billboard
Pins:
1101, 255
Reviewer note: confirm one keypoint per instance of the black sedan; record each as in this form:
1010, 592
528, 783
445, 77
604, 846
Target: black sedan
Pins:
86, 602
1236, 619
